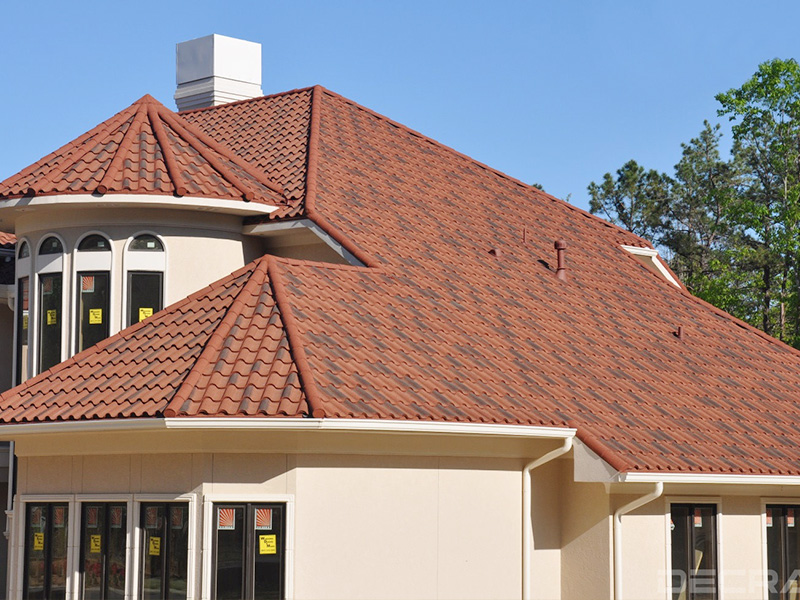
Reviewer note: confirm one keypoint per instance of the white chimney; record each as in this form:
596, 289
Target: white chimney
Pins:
216, 69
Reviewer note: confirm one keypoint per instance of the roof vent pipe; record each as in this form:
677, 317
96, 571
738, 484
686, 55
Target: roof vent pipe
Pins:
215, 70
561, 254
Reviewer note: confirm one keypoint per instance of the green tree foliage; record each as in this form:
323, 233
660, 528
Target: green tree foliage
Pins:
637, 199
729, 227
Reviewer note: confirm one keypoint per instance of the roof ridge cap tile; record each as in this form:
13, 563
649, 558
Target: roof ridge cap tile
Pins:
310, 195
245, 101
295, 342
214, 343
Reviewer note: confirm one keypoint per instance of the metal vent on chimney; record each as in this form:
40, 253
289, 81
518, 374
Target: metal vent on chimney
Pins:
215, 70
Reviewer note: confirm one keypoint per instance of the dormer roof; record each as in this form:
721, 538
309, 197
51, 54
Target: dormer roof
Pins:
145, 149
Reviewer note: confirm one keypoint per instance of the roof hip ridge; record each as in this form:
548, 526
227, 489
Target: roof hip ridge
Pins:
312, 157
294, 338
214, 343
182, 126
174, 172
113, 168
246, 100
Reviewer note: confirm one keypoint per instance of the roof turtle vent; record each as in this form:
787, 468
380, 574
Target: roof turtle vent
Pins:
215, 70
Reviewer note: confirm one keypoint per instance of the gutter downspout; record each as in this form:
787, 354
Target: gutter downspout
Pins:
527, 509
657, 491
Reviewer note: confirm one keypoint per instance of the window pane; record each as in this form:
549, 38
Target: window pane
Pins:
178, 551
35, 557
93, 546
775, 574
22, 330
59, 530
49, 320
115, 558
24, 250
705, 548
791, 573
51, 245
230, 552
144, 295
146, 243
93, 308
94, 243
152, 550
680, 555
103, 534
267, 550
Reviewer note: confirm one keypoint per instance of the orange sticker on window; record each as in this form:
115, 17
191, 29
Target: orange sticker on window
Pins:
52, 317
38, 541
95, 544
144, 313
95, 316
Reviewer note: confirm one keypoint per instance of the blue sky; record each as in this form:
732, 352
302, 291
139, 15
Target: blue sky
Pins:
550, 92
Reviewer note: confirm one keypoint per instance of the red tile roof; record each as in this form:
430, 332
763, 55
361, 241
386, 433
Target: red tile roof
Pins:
458, 316
145, 149
7, 239
221, 351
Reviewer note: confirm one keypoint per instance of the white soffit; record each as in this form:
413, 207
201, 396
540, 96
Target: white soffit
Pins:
713, 478
9, 208
301, 225
649, 258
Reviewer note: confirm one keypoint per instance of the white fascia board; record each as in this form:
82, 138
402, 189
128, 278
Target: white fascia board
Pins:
236, 207
289, 424
652, 255
266, 228
706, 478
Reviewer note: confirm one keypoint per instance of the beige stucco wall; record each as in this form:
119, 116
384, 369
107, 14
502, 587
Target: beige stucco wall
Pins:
365, 526
586, 566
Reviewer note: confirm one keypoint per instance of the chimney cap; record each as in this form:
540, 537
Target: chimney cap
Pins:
216, 69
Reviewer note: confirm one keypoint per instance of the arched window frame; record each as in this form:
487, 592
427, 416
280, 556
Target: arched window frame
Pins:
46, 264
92, 261
23, 268
142, 260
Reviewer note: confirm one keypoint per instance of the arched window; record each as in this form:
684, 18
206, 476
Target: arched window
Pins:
22, 313
49, 269
93, 290
145, 262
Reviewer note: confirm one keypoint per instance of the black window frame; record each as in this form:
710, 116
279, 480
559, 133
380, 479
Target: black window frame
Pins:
47, 591
691, 576
248, 546
56, 349
165, 545
129, 305
106, 308
106, 528
777, 519
23, 328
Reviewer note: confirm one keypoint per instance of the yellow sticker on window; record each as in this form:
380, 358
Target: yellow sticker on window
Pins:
25, 321
267, 544
144, 313
95, 316
154, 547
95, 544
52, 317
38, 541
